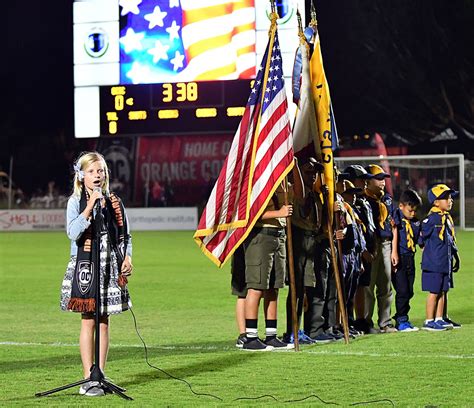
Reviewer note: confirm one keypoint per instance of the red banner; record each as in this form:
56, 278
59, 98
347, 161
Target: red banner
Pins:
178, 170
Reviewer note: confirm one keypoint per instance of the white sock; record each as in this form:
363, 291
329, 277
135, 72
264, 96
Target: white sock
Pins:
251, 333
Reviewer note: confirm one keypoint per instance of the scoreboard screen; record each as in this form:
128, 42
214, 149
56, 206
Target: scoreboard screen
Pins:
177, 65
181, 107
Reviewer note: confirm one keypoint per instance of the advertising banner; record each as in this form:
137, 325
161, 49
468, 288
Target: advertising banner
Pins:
178, 171
32, 220
162, 219
140, 219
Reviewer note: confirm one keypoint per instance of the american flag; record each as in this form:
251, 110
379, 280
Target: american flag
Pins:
261, 155
186, 40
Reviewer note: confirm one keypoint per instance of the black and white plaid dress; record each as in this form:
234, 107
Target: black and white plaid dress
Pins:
113, 299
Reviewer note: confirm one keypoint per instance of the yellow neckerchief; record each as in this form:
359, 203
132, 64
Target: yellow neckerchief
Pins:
383, 211
354, 216
410, 235
444, 216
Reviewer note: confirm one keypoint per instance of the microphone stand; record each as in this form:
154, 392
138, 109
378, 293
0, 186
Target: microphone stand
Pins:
96, 373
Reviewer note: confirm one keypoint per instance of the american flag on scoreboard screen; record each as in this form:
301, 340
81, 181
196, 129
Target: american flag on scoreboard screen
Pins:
186, 40
260, 156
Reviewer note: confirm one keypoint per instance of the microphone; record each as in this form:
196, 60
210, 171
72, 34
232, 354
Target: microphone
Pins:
97, 203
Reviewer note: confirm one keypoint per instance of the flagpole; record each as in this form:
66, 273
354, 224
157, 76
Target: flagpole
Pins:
342, 311
291, 270
335, 265
271, 33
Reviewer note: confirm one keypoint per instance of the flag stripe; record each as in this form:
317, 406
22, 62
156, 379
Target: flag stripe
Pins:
225, 179
218, 73
194, 4
216, 53
204, 13
242, 168
202, 46
199, 30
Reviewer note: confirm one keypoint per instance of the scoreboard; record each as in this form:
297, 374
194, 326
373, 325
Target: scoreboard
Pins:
181, 107
155, 67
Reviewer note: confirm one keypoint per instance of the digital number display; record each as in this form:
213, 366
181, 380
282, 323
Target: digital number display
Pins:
169, 108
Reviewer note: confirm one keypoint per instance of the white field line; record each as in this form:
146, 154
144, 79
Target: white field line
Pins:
311, 350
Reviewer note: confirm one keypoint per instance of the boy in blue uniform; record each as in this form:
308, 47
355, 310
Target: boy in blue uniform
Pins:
359, 176
352, 261
438, 239
405, 236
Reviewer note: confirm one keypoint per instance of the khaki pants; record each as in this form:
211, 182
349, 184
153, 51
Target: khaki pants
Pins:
381, 273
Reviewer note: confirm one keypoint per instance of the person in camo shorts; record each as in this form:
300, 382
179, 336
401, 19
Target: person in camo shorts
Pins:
265, 269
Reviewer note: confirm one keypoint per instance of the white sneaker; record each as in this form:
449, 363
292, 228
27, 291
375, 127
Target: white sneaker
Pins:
91, 389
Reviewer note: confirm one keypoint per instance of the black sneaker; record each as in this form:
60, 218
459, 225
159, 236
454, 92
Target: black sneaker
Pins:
455, 325
241, 340
337, 334
277, 344
323, 338
288, 337
354, 332
256, 345
361, 325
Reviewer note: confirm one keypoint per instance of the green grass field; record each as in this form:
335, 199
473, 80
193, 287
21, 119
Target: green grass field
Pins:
186, 315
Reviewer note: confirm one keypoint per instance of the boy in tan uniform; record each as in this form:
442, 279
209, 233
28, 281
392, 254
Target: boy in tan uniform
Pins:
265, 268
305, 223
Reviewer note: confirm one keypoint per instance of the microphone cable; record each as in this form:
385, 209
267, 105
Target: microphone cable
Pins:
203, 394
198, 394
244, 398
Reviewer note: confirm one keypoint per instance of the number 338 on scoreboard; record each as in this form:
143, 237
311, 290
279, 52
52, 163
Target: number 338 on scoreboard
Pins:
180, 92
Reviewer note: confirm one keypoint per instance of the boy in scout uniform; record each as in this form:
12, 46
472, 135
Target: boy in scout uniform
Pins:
305, 223
352, 260
265, 270
381, 267
437, 237
405, 237
358, 176
320, 322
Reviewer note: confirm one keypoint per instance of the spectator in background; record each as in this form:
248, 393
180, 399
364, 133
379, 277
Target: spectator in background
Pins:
168, 194
157, 194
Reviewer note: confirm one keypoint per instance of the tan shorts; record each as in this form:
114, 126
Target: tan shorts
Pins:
265, 258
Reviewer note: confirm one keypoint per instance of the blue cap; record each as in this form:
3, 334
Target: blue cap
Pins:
440, 192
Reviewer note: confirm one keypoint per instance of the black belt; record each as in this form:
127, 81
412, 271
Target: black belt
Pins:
276, 232
305, 232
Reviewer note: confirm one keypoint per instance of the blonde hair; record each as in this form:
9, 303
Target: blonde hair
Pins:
83, 162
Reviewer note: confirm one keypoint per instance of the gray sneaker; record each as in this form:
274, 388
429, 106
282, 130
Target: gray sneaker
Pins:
389, 328
91, 389
373, 330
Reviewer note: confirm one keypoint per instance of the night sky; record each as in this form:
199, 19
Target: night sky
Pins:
391, 66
